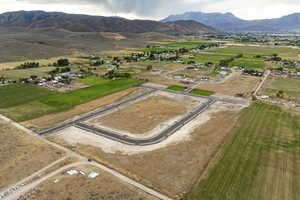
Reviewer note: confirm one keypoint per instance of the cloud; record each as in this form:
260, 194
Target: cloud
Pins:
156, 9
143, 8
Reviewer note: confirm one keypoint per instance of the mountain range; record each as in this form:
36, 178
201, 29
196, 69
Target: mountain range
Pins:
87, 23
229, 23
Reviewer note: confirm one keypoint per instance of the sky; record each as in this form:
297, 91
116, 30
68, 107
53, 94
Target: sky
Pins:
158, 9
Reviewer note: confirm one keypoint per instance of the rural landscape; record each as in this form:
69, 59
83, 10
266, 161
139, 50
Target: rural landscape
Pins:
194, 106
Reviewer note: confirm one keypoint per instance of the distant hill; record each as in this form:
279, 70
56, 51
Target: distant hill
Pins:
86, 23
230, 23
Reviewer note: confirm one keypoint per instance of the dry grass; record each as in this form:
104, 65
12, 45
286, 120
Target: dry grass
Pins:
143, 116
48, 121
172, 170
21, 155
79, 187
238, 84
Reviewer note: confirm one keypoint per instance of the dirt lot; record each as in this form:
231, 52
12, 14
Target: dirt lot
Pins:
21, 155
48, 121
234, 85
143, 116
156, 77
172, 169
79, 187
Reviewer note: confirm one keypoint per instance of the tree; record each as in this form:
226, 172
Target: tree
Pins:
149, 67
63, 62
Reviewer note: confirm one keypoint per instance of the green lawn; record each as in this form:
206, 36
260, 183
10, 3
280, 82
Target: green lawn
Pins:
202, 92
177, 88
16, 94
30, 101
260, 160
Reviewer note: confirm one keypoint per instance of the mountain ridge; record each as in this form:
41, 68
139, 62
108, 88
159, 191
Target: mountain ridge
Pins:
88, 23
228, 22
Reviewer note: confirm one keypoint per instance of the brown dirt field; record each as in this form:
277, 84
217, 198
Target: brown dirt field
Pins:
143, 116
193, 73
172, 170
48, 121
158, 79
235, 85
79, 187
21, 155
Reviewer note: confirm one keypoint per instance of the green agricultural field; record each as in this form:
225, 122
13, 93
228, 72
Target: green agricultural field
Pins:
177, 45
16, 94
35, 105
290, 87
93, 80
202, 92
259, 162
67, 100
249, 63
15, 74
284, 52
211, 57
156, 50
176, 88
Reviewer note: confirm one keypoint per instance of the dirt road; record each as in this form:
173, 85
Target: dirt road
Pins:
83, 161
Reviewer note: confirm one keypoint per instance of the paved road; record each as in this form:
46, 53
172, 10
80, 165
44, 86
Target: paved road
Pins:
95, 113
225, 100
146, 141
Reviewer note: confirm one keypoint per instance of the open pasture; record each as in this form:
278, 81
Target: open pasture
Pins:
18, 74
290, 87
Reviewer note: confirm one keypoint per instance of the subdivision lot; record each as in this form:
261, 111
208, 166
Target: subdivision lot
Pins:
143, 116
48, 121
80, 187
290, 87
260, 162
237, 84
172, 166
21, 155
149, 116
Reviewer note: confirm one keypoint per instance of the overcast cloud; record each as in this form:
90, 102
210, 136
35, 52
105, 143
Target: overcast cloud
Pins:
156, 9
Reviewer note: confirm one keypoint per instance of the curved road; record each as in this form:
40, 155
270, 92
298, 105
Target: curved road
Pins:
146, 141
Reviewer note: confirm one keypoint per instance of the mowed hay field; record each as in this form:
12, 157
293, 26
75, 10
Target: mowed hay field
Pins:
21, 155
143, 116
79, 187
23, 102
261, 162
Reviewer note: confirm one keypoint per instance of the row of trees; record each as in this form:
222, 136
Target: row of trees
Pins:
28, 65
